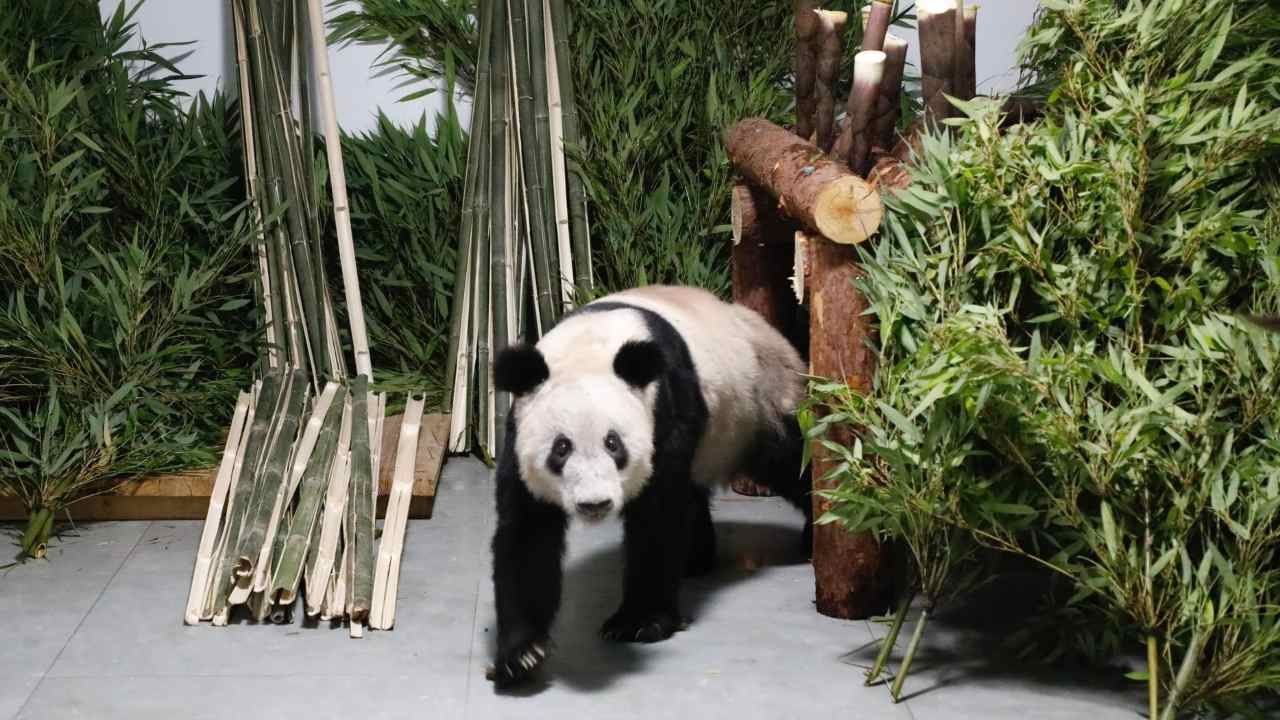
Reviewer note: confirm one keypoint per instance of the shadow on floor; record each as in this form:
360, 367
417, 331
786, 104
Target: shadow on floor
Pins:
585, 662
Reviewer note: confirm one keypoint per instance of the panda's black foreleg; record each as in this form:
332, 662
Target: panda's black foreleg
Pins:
702, 538
656, 528
528, 551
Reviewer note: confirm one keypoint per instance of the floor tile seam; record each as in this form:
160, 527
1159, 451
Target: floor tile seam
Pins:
71, 636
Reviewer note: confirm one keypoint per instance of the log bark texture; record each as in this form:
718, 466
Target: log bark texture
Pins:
889, 106
850, 569
815, 190
937, 57
831, 28
805, 64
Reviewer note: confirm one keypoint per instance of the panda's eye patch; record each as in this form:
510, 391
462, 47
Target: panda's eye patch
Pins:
613, 445
560, 450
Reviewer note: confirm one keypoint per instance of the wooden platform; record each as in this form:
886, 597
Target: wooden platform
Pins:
185, 496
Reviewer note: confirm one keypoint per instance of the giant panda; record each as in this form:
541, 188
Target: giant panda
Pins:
636, 404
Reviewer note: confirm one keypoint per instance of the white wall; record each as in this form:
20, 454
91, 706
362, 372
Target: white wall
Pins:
359, 92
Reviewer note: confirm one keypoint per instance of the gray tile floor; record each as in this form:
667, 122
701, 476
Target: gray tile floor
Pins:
96, 632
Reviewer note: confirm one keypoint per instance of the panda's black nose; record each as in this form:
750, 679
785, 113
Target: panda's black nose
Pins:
598, 507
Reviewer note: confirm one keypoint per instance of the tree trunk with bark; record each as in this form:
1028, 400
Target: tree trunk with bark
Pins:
850, 569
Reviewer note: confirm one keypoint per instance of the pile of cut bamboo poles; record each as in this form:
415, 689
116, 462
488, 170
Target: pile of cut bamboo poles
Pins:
525, 246
292, 508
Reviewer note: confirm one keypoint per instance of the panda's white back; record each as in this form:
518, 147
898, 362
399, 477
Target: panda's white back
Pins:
749, 374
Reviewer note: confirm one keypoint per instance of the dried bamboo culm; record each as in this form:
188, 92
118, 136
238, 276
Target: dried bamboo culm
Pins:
937, 20
966, 53
525, 241
293, 507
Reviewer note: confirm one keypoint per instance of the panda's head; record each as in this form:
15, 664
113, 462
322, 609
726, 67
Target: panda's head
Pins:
584, 440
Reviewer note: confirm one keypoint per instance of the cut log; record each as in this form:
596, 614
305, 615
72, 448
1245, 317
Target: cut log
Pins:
813, 189
831, 28
889, 106
937, 57
864, 98
805, 64
850, 569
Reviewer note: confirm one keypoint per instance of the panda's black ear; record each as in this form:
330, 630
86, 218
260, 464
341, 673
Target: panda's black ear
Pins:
519, 369
639, 362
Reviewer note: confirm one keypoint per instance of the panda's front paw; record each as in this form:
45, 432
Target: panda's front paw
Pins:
517, 665
645, 627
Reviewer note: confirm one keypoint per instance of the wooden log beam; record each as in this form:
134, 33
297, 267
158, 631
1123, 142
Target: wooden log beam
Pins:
850, 569
811, 188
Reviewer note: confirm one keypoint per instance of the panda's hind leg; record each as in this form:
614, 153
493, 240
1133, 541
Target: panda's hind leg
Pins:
774, 462
702, 536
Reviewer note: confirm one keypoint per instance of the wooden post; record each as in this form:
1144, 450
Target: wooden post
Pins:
763, 250
849, 569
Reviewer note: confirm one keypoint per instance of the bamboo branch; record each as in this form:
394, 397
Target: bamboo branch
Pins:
895, 691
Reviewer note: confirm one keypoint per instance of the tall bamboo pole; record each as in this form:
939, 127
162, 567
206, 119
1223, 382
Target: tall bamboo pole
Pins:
338, 187
536, 189
580, 234
937, 56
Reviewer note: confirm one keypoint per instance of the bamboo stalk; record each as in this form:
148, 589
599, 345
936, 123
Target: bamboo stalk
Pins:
321, 563
1153, 678
213, 518
535, 195
580, 233
891, 639
255, 539
560, 201
895, 691
805, 65
500, 209
359, 505
271, 355
338, 187
387, 575
535, 25
316, 470
269, 402
477, 154
1186, 671
937, 56
207, 610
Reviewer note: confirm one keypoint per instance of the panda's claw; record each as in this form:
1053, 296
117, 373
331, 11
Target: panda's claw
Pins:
517, 665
